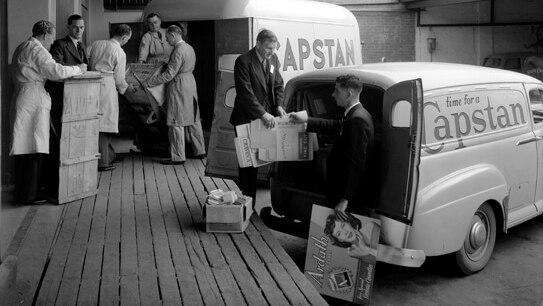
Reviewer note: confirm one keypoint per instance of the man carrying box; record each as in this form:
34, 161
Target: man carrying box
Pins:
259, 89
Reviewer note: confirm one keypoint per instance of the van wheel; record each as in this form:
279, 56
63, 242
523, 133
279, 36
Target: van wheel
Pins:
479, 243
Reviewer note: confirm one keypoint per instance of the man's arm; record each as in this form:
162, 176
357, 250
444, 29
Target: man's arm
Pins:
358, 133
244, 90
175, 63
57, 51
144, 48
119, 72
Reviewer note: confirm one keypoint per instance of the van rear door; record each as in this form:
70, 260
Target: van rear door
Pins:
232, 38
401, 144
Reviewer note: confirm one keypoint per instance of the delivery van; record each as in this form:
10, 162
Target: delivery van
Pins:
460, 155
312, 35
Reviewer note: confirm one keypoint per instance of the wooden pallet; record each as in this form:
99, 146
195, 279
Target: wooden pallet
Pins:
142, 240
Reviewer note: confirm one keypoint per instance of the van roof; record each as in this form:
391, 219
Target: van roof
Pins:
434, 75
303, 10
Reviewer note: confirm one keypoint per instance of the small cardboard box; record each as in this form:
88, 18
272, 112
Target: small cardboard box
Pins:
229, 218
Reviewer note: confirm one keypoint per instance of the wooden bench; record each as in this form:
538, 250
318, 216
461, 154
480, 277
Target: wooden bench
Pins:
141, 240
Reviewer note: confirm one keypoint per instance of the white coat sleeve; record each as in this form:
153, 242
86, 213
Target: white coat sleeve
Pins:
50, 69
119, 73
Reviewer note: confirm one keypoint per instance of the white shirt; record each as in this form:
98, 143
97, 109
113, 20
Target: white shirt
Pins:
349, 108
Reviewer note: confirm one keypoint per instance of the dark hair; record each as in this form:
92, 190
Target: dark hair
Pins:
349, 81
74, 17
331, 223
121, 30
151, 15
175, 29
42, 27
266, 35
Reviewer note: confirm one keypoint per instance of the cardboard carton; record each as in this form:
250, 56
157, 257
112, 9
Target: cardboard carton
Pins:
229, 218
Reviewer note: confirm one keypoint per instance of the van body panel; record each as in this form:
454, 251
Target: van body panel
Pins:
445, 207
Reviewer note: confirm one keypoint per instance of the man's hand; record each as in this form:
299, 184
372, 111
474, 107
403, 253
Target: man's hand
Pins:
83, 67
297, 117
340, 209
359, 251
281, 111
269, 121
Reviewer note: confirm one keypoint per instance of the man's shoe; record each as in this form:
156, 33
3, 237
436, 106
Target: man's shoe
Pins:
117, 159
201, 156
106, 168
171, 162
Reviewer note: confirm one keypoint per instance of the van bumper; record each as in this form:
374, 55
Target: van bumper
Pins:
400, 257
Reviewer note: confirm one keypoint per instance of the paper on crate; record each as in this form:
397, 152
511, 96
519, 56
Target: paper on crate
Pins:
343, 270
246, 155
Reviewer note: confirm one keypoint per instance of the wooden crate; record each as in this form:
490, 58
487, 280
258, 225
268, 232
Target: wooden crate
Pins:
78, 170
228, 218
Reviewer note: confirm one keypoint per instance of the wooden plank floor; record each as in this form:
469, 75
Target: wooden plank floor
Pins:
141, 241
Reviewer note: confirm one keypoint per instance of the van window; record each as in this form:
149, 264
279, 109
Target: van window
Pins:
401, 114
536, 104
493, 62
230, 97
512, 63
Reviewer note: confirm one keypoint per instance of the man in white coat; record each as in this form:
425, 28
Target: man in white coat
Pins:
108, 57
182, 112
31, 105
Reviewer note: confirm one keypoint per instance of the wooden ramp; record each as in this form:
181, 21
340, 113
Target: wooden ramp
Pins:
141, 241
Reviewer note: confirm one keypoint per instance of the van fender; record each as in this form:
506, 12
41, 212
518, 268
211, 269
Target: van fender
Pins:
445, 208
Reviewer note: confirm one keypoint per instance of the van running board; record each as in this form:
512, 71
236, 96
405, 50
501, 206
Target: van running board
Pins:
385, 253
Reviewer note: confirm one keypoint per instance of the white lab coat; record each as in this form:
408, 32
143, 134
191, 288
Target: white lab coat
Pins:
108, 57
32, 65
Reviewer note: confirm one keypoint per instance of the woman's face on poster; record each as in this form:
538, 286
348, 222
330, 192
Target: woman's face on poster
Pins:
343, 231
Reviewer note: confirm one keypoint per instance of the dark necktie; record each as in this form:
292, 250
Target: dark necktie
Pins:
80, 51
159, 35
267, 68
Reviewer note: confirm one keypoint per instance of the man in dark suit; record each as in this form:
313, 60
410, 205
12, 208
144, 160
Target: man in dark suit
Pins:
347, 167
259, 89
68, 51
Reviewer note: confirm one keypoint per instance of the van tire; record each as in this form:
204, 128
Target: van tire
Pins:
479, 242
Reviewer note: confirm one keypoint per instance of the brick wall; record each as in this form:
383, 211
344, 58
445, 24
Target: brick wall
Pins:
387, 34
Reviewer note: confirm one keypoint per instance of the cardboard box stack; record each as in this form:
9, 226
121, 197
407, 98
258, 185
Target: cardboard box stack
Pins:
227, 211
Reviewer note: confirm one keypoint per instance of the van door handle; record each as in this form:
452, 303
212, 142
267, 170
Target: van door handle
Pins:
525, 141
